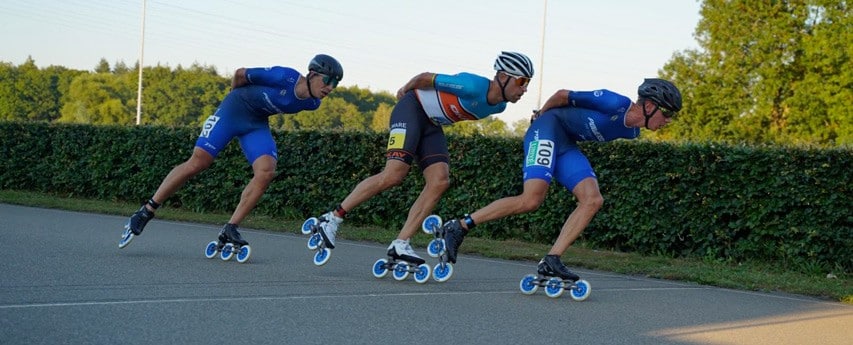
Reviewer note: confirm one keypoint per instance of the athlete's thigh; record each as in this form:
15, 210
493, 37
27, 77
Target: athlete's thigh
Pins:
572, 167
257, 143
541, 144
433, 147
406, 126
219, 128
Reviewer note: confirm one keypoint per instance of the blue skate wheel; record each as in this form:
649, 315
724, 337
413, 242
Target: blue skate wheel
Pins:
314, 241
322, 256
422, 274
379, 268
244, 253
442, 272
580, 291
435, 247
227, 252
554, 287
528, 284
308, 224
210, 251
401, 271
431, 223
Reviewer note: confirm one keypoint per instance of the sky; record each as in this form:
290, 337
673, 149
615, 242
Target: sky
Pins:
611, 44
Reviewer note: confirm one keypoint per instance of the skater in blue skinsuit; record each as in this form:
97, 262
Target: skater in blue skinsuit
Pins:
257, 94
426, 103
551, 152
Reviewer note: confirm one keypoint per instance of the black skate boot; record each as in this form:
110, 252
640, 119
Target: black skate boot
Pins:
137, 221
551, 266
229, 234
453, 236
402, 250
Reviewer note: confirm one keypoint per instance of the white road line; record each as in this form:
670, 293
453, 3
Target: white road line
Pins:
284, 298
235, 299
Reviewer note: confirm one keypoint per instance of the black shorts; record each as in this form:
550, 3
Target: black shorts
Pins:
413, 135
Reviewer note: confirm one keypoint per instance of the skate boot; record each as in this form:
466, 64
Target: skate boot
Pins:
453, 236
229, 234
551, 266
137, 221
329, 227
402, 250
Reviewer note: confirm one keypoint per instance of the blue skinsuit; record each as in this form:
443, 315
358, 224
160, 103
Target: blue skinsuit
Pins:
550, 145
245, 112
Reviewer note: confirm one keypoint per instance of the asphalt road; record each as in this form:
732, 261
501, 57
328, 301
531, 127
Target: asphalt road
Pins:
64, 281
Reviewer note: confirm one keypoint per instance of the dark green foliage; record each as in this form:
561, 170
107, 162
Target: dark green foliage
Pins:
727, 203
22, 148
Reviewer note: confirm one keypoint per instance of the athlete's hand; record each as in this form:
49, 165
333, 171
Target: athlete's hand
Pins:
535, 115
401, 92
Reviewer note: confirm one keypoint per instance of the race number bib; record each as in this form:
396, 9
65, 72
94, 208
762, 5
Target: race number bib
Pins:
208, 126
541, 152
396, 138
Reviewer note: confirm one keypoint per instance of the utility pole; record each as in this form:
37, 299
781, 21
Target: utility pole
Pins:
542, 57
141, 54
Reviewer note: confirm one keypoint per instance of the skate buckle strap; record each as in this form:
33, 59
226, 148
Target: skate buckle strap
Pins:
341, 211
469, 222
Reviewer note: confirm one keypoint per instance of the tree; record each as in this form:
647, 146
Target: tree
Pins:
8, 95
58, 82
103, 66
100, 98
766, 73
121, 68
381, 118
28, 93
161, 99
351, 119
38, 96
827, 80
490, 126
325, 117
365, 100
283, 122
181, 96
519, 128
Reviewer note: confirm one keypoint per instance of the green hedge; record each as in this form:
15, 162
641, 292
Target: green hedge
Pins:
734, 203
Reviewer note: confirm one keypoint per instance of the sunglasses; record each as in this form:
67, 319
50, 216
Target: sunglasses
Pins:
520, 81
666, 112
329, 80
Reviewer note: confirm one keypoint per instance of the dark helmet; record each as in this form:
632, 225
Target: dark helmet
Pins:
662, 92
327, 65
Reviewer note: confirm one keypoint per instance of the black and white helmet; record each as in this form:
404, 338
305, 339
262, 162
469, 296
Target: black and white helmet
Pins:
516, 64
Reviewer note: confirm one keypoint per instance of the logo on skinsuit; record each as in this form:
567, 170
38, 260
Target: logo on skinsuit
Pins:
398, 155
396, 138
